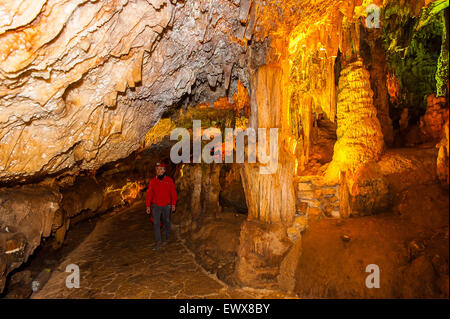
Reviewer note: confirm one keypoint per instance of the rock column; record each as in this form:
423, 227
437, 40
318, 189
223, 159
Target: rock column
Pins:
270, 198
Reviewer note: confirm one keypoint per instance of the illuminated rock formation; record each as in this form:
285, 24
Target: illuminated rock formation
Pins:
443, 157
268, 109
83, 81
359, 134
27, 214
270, 197
377, 67
432, 123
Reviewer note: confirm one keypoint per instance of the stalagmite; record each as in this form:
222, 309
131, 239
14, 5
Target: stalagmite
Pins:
360, 139
443, 157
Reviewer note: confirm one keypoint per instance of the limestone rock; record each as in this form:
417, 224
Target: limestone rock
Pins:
304, 186
216, 245
433, 121
405, 168
267, 103
301, 208
359, 134
289, 266
442, 165
293, 234
306, 195
19, 286
198, 190
314, 214
26, 215
232, 193
369, 190
262, 248
323, 138
378, 77
86, 195
300, 223
83, 81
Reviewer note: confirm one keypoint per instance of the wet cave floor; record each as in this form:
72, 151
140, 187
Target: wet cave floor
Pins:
116, 260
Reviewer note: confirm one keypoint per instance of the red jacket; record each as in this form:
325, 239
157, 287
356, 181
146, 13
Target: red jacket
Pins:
161, 192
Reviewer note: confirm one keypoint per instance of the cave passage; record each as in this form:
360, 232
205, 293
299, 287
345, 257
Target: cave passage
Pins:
116, 261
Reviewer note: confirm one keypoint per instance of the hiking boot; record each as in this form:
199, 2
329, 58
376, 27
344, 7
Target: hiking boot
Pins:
157, 246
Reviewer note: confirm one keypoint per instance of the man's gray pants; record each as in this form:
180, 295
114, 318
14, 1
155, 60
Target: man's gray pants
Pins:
158, 213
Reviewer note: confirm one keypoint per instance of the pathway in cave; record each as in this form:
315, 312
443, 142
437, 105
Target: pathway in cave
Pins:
116, 261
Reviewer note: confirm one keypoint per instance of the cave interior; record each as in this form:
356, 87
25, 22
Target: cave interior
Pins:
94, 93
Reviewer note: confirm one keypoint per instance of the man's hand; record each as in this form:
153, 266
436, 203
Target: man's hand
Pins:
173, 208
148, 210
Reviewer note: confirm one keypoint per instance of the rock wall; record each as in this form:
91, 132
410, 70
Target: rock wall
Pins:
443, 157
32, 212
261, 250
316, 198
198, 188
211, 231
83, 81
27, 214
378, 69
432, 123
232, 195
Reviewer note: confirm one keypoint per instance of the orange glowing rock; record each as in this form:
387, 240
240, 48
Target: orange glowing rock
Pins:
160, 131
129, 191
242, 99
203, 106
360, 139
223, 104
442, 164
433, 121
393, 87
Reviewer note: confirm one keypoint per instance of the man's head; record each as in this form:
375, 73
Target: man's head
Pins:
160, 169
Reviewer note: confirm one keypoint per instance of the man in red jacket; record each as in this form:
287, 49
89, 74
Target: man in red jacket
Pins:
161, 200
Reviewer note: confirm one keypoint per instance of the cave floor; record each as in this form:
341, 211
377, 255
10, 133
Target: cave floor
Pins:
116, 261
409, 243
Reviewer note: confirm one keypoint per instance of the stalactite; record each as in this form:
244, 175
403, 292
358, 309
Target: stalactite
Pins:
313, 93
332, 86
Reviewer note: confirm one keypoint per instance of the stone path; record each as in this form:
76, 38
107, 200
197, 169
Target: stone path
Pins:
116, 261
